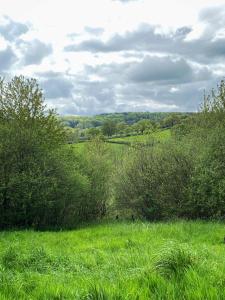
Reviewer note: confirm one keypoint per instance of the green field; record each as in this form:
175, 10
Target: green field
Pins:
162, 135
158, 135
181, 260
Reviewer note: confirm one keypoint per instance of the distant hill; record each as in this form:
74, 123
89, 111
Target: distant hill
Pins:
126, 117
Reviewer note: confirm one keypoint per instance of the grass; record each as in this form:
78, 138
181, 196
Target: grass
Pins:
118, 149
158, 135
180, 260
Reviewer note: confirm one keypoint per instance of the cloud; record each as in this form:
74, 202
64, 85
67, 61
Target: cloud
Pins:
7, 58
144, 38
126, 1
12, 30
34, 51
160, 69
214, 19
156, 70
150, 68
208, 48
129, 86
147, 84
163, 70
94, 30
56, 85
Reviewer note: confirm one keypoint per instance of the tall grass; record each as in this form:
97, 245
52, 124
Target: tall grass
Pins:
180, 260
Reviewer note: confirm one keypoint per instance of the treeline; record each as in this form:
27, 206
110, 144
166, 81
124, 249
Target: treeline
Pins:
132, 124
44, 183
129, 118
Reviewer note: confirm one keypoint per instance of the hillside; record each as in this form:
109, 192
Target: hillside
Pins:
127, 117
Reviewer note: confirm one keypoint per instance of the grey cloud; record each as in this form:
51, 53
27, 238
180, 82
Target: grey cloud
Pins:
94, 30
144, 38
73, 35
214, 18
92, 97
12, 30
77, 95
135, 84
160, 69
174, 81
205, 49
34, 51
113, 72
163, 70
56, 86
187, 97
7, 58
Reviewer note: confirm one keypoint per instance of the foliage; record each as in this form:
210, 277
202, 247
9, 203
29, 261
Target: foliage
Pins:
184, 176
109, 128
95, 165
152, 181
40, 181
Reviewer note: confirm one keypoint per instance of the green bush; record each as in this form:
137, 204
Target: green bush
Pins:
41, 181
183, 177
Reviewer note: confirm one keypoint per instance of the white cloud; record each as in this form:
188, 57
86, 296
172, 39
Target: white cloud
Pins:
34, 33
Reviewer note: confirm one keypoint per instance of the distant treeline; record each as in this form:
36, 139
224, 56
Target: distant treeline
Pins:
129, 118
120, 124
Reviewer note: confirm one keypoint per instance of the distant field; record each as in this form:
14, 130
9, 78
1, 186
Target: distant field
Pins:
183, 260
159, 135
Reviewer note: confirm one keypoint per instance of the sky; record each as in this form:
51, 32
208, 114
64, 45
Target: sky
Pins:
103, 56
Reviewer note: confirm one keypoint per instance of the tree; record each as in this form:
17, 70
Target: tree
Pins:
171, 120
93, 132
121, 127
109, 128
39, 178
143, 125
95, 166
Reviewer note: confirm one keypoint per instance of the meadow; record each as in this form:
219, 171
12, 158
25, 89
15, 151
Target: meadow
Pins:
119, 144
160, 135
124, 260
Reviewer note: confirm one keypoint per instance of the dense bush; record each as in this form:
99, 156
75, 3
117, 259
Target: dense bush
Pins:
41, 182
152, 181
95, 165
183, 177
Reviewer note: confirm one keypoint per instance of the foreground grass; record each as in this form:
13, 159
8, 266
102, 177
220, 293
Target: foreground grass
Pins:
183, 260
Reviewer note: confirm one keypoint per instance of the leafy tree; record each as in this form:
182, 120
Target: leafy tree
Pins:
109, 128
121, 127
96, 166
143, 125
93, 132
171, 120
39, 178
152, 181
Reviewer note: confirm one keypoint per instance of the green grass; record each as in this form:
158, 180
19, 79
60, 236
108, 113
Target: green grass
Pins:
180, 260
118, 149
159, 135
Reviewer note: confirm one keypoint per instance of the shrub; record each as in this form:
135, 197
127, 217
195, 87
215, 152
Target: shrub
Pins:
10, 258
174, 259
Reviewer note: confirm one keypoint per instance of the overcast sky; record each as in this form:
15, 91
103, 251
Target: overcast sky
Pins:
97, 56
